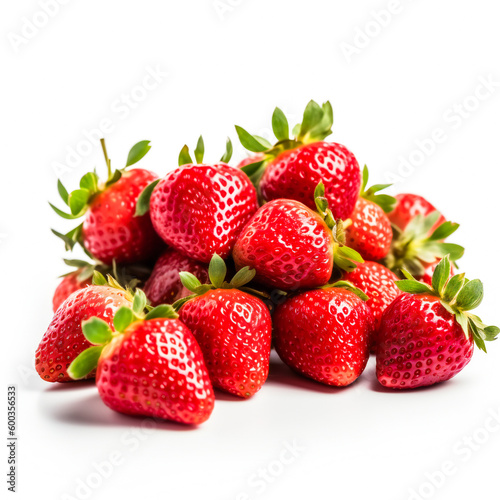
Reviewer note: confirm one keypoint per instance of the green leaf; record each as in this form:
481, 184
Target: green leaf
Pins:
242, 277
280, 125
142, 206
252, 168
96, 331
249, 142
138, 152
263, 141
385, 202
350, 253
85, 362
76, 263
226, 157
343, 263
64, 215
470, 296
90, 182
199, 151
491, 333
366, 176
140, 302
123, 318
347, 285
162, 311
184, 156
200, 290
411, 286
453, 287
312, 117
217, 271
98, 279
63, 193
296, 130
444, 230
78, 201
441, 275
454, 251
190, 281
463, 321
114, 178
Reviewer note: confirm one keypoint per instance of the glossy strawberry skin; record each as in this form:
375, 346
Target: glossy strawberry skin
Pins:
409, 206
370, 232
164, 285
295, 173
233, 330
66, 287
324, 334
110, 229
420, 343
156, 369
378, 283
201, 209
288, 245
64, 341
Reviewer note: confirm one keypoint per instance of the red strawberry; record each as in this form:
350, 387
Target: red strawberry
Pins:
378, 283
200, 209
408, 206
69, 284
64, 341
370, 231
232, 327
427, 334
293, 167
164, 286
111, 231
324, 334
429, 271
152, 367
290, 246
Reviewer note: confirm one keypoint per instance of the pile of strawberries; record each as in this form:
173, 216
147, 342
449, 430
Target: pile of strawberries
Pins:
192, 279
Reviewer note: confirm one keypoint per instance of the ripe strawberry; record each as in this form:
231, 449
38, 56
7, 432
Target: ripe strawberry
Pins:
407, 207
164, 286
324, 334
378, 283
152, 367
421, 244
291, 247
69, 284
200, 209
111, 231
292, 168
232, 327
64, 341
370, 232
427, 334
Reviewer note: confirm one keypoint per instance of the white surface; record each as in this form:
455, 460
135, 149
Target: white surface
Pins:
360, 442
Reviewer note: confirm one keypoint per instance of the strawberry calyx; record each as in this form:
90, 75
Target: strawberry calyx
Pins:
384, 201
347, 285
144, 198
345, 258
415, 249
316, 125
217, 271
458, 296
100, 334
79, 200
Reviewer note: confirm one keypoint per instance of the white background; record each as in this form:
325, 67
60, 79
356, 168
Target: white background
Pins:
227, 66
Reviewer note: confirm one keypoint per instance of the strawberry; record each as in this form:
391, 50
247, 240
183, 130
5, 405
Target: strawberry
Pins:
232, 327
429, 271
69, 284
292, 168
408, 206
150, 366
427, 334
64, 341
290, 246
164, 286
200, 209
378, 283
111, 232
421, 244
370, 231
324, 334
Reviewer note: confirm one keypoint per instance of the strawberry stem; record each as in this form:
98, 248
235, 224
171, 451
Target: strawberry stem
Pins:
108, 161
